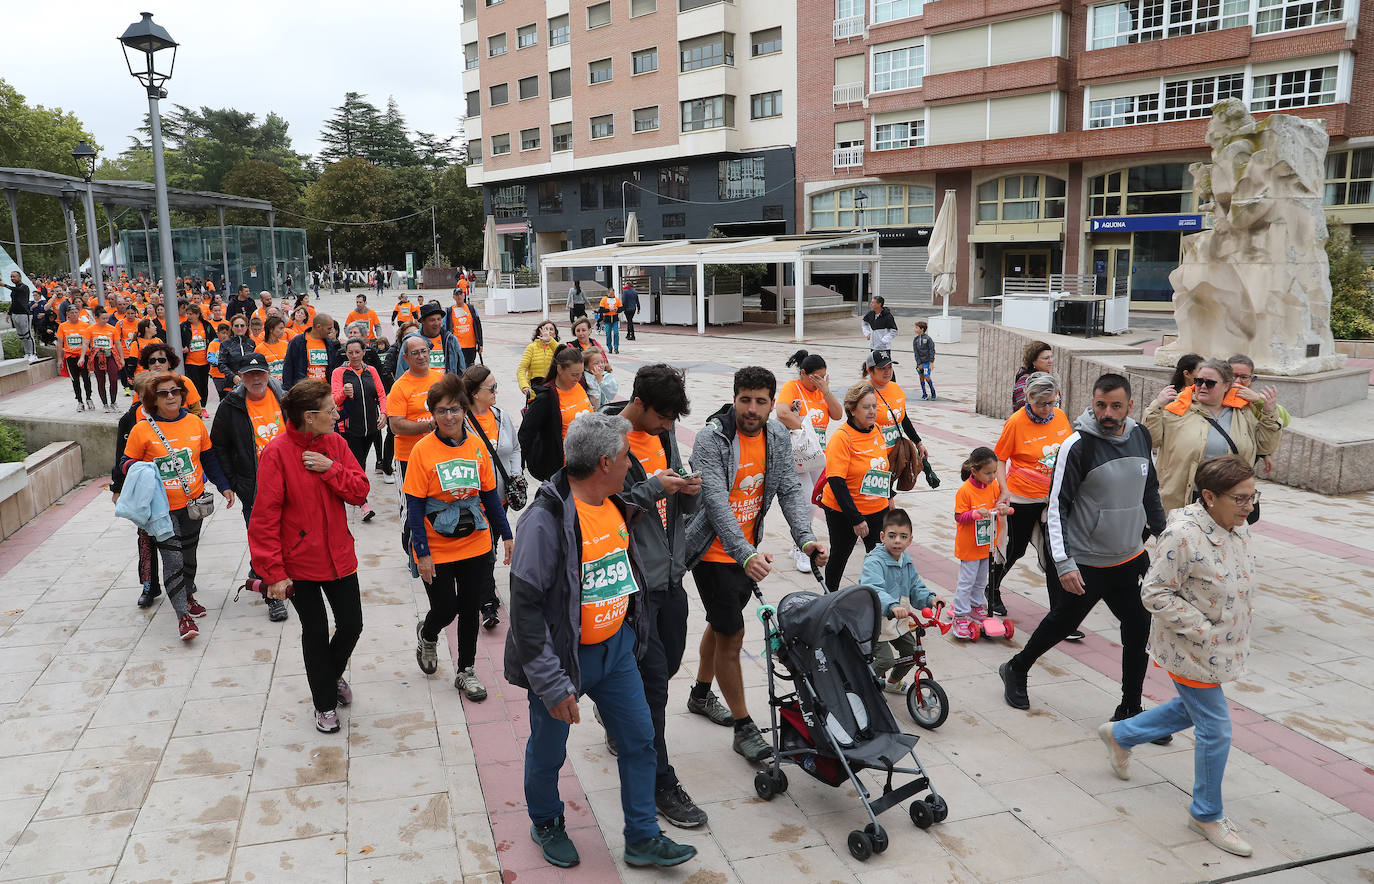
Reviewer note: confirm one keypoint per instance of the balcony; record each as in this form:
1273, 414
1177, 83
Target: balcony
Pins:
850, 26
848, 157
849, 93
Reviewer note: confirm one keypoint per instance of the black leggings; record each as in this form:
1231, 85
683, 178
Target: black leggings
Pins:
1020, 527
458, 589
1119, 587
178, 554
361, 445
388, 452
843, 541
79, 375
326, 657
200, 376
147, 559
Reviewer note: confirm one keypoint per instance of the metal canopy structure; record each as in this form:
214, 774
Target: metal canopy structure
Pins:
135, 194
797, 251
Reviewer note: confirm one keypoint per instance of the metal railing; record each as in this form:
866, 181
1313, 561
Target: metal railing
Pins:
848, 157
849, 26
1057, 285
848, 93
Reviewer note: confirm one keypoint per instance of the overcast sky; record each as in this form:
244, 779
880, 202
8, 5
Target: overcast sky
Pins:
294, 57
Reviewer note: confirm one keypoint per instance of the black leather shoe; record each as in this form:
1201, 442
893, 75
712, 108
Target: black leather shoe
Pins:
150, 592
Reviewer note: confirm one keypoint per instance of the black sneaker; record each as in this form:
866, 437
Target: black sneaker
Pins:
678, 808
995, 606
1074, 636
555, 844
149, 594
276, 610
711, 707
1014, 686
660, 851
490, 618
1124, 712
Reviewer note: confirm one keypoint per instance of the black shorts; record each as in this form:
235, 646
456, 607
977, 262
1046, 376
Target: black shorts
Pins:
725, 590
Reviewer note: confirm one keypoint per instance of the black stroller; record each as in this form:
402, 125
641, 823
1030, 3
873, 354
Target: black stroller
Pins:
836, 722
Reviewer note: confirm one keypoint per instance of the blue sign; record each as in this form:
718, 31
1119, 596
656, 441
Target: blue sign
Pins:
1145, 222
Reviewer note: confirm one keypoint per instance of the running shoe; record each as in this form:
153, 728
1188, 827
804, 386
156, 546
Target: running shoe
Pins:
345, 693
978, 613
490, 618
471, 686
660, 851
963, 628
711, 707
678, 808
327, 722
276, 610
895, 687
554, 843
193, 607
750, 743
369, 514
187, 627
426, 652
90, 406
390, 479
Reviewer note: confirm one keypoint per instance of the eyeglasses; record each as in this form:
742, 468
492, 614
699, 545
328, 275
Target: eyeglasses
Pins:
491, 387
1244, 378
175, 391
1243, 499
331, 410
448, 412
1205, 383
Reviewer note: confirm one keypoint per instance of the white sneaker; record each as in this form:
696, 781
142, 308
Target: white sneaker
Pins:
31, 359
390, 479
802, 561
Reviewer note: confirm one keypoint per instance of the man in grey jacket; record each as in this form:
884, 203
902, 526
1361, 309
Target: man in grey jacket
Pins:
745, 460
655, 483
1104, 502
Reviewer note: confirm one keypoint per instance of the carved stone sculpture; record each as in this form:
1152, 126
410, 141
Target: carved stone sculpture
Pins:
1257, 282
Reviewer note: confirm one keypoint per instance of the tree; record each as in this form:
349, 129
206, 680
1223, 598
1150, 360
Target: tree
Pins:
353, 190
262, 180
460, 217
1352, 287
436, 152
393, 147
352, 130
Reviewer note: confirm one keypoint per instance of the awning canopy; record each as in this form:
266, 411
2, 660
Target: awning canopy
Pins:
138, 194
794, 250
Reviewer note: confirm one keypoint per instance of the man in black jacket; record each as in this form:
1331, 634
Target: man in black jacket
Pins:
879, 326
249, 417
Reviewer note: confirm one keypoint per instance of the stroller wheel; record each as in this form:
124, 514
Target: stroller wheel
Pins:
938, 807
860, 845
927, 703
768, 785
878, 836
922, 815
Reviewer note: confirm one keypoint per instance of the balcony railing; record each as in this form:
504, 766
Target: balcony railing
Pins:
849, 93
848, 157
850, 26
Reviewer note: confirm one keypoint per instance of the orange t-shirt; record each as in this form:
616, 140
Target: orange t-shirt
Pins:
648, 450
894, 407
215, 370
450, 472
370, 317
73, 336
746, 494
436, 352
275, 354
407, 399
197, 347
608, 581
861, 458
463, 330
571, 403
102, 336
489, 425
128, 333
813, 408
967, 535
188, 438
266, 417
1030, 450
610, 307
404, 311
316, 359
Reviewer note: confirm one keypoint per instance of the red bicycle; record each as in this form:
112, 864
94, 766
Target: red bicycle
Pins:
926, 701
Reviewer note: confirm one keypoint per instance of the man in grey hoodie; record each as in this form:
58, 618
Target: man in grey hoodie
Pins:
1104, 502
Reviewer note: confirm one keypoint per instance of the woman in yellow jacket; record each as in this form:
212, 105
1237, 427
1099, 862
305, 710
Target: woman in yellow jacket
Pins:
534, 363
1180, 428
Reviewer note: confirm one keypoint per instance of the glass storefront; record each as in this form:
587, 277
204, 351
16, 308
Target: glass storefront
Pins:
1159, 193
197, 252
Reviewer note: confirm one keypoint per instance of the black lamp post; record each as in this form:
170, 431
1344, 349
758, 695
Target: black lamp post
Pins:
85, 161
860, 197
329, 244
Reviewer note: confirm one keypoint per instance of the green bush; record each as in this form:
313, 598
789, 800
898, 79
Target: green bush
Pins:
1352, 288
13, 349
11, 444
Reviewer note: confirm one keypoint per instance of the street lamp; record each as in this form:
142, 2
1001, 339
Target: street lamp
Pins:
860, 197
329, 244
85, 161
146, 43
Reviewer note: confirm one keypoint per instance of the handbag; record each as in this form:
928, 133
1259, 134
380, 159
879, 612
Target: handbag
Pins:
1255, 511
517, 491
198, 508
806, 449
903, 457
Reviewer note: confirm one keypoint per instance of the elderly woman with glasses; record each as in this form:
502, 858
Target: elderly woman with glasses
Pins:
159, 357
1211, 419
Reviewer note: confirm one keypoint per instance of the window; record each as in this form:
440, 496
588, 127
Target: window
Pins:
642, 7
1021, 198
673, 184
1285, 15
1139, 21
892, 205
526, 36
707, 52
469, 10
1191, 99
1350, 178
499, 94
620, 190
646, 119
1294, 89
500, 145
588, 237
644, 61
891, 136
599, 71
475, 152
599, 15
766, 42
508, 201
558, 30
550, 197
496, 44
708, 113
740, 179
561, 136
765, 105
560, 83
1126, 111
529, 139
772, 213
474, 108
1200, 16
1162, 189
470, 55
528, 87
891, 10
675, 219
591, 193
603, 126
687, 5
898, 68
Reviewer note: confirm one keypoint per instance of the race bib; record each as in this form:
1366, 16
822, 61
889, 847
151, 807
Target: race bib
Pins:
319, 356
982, 531
458, 475
197, 343
74, 341
275, 367
607, 585
436, 359
102, 342
891, 433
876, 483
171, 468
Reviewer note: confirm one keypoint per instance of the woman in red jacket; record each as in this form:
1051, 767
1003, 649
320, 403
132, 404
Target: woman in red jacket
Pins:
299, 540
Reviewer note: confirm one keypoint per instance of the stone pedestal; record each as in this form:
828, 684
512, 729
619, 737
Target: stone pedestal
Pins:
1303, 395
946, 329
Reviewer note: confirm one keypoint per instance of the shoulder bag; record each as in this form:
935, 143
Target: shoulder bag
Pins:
198, 508
903, 457
1255, 512
517, 491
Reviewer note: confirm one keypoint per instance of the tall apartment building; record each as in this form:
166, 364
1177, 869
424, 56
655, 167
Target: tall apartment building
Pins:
1065, 127
581, 111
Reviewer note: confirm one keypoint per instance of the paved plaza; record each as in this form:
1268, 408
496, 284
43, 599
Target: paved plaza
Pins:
127, 755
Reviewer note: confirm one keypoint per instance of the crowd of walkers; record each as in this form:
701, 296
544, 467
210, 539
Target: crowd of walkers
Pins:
598, 555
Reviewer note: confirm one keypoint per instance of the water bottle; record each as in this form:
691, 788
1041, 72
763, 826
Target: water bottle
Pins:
808, 764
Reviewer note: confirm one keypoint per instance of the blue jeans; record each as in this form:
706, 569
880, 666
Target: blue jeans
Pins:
611, 678
612, 334
1203, 709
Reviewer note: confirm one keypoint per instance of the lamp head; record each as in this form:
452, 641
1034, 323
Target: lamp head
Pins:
328, 228
145, 43
85, 160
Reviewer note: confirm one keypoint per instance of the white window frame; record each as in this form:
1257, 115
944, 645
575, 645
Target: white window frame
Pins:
500, 153
591, 69
1129, 110
533, 29
727, 113
912, 74
1202, 93
492, 51
635, 117
653, 7
1315, 17
538, 139
889, 8
519, 88
634, 57
915, 134
754, 44
599, 6
591, 126
560, 36
1282, 87
555, 135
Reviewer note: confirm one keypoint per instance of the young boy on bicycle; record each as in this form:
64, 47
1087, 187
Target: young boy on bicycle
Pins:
889, 570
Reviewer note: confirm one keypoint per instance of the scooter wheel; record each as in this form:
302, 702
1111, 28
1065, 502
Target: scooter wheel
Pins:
938, 807
763, 785
975, 631
1011, 628
877, 835
860, 845
922, 815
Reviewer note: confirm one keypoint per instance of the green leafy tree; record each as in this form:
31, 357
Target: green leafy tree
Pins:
262, 180
352, 131
460, 217
436, 152
414, 188
353, 190
392, 144
1352, 287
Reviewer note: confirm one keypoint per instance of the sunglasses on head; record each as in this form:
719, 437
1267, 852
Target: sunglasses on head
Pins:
1205, 383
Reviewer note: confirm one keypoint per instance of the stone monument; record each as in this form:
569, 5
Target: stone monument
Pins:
1257, 282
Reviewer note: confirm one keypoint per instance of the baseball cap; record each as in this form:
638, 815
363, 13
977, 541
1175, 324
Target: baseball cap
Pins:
879, 359
256, 362
431, 309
